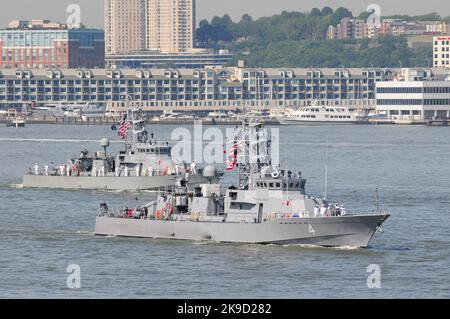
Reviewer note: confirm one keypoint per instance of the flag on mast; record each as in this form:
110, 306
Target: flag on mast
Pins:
233, 153
124, 126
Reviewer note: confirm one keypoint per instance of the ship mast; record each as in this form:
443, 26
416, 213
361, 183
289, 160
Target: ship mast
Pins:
256, 152
137, 132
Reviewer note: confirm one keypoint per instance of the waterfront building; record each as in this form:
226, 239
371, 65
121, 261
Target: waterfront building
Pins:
414, 100
195, 89
43, 44
198, 58
441, 51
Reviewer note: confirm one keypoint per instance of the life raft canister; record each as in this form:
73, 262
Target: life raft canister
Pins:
275, 174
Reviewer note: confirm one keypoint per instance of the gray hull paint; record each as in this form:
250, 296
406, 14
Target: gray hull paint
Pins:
353, 231
105, 183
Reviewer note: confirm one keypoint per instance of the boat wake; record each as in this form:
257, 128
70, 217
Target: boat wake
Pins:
44, 234
308, 246
11, 186
51, 140
18, 186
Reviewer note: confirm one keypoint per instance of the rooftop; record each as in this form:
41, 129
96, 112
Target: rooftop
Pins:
39, 24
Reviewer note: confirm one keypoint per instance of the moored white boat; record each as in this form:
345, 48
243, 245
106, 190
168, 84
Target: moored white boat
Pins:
319, 115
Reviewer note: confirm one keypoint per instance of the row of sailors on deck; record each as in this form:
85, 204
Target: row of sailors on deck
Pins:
332, 210
62, 170
73, 170
127, 171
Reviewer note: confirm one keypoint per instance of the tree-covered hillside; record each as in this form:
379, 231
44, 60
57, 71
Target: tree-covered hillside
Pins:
296, 39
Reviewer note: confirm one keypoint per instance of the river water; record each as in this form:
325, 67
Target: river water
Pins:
42, 232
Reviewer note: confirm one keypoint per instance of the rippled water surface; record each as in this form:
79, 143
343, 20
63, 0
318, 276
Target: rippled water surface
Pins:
44, 231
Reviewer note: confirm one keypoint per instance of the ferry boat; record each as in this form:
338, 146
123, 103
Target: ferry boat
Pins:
315, 114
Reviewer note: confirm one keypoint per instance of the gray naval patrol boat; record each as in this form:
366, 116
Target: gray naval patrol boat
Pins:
270, 206
144, 164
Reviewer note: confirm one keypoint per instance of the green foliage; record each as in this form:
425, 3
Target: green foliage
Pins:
296, 39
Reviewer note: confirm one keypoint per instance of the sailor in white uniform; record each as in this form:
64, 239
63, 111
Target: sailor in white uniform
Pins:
46, 170
316, 210
193, 168
150, 170
323, 210
36, 169
126, 171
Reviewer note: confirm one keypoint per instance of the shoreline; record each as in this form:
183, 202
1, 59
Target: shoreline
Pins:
271, 122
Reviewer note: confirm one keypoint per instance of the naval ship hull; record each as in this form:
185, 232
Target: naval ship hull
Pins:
353, 231
132, 183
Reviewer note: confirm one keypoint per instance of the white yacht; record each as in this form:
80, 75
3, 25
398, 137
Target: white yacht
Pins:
170, 115
82, 111
221, 116
315, 114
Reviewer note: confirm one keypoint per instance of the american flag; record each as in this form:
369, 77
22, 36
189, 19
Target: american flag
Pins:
238, 141
124, 126
230, 164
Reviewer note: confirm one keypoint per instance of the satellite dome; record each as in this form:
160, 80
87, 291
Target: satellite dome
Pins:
104, 142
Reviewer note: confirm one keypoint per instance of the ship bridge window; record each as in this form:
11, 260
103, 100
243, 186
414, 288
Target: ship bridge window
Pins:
233, 195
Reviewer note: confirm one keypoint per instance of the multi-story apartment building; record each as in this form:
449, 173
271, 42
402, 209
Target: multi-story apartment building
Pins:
441, 51
166, 26
43, 44
195, 89
372, 31
170, 25
125, 26
345, 29
358, 29
332, 32
349, 28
